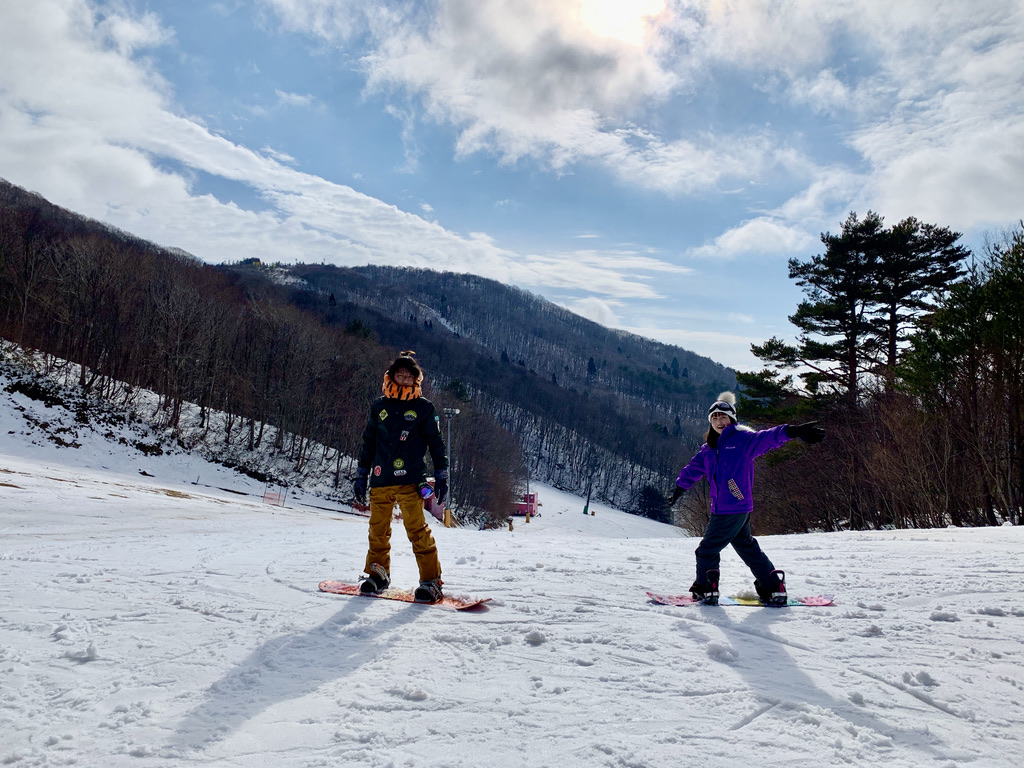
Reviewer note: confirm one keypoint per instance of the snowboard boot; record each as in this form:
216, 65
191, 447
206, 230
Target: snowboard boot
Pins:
429, 592
706, 591
774, 591
376, 582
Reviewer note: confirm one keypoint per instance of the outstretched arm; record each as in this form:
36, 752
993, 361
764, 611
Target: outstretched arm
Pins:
767, 440
692, 472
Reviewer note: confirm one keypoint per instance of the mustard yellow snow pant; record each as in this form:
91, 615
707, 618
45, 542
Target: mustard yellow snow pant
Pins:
382, 504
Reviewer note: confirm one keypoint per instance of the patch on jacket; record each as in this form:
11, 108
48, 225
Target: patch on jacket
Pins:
735, 489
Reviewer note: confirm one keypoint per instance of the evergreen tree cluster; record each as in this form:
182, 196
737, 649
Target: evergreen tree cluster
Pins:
911, 352
864, 295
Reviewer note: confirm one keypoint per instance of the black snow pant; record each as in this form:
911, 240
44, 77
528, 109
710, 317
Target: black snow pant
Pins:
724, 530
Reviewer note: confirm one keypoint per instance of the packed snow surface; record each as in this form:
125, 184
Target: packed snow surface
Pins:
173, 619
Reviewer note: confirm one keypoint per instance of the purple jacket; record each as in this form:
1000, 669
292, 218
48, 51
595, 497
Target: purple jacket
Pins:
730, 467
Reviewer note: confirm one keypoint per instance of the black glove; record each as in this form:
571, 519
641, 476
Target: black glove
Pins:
359, 485
676, 493
809, 432
441, 489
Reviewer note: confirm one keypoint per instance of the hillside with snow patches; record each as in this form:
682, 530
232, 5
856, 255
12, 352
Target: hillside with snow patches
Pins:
156, 613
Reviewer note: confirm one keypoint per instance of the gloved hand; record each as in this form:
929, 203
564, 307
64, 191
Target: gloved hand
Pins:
359, 486
809, 432
676, 493
441, 489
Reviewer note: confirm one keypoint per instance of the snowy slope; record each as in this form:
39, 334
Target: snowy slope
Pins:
148, 621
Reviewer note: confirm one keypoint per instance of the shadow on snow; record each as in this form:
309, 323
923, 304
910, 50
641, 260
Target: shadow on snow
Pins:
288, 667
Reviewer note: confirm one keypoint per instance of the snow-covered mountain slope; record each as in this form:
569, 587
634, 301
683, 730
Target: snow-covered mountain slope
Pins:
147, 621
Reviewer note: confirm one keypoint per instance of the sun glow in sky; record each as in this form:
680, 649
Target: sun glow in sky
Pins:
623, 20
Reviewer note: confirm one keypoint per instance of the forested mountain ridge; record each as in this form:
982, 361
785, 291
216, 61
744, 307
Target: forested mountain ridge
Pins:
520, 329
296, 353
526, 330
592, 407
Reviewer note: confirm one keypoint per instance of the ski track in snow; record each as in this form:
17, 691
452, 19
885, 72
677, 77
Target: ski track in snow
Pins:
148, 622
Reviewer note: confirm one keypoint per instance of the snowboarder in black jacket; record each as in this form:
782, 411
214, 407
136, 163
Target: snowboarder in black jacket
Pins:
401, 428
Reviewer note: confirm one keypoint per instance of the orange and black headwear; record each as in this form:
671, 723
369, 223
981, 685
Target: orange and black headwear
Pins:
391, 389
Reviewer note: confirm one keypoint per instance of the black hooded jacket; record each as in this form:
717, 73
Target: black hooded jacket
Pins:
397, 437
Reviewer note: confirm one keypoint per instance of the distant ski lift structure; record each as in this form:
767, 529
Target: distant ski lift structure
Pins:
528, 506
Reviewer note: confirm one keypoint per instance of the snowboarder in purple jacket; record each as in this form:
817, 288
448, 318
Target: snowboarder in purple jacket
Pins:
727, 461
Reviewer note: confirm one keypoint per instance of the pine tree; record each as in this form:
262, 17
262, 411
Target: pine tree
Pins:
836, 340
917, 262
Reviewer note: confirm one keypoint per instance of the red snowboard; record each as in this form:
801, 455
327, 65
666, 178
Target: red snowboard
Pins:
458, 603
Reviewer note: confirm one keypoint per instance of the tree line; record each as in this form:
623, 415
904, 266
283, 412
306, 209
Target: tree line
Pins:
911, 353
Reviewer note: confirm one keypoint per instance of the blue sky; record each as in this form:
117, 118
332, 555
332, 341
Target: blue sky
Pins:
651, 164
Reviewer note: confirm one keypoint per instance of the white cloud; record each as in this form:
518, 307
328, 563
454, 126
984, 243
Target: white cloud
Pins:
281, 157
595, 309
933, 96
951, 149
598, 272
130, 34
557, 272
785, 37
739, 317
630, 260
337, 20
628, 22
410, 149
932, 92
832, 191
294, 99
540, 79
759, 236
95, 130
537, 79
534, 79
729, 349
823, 92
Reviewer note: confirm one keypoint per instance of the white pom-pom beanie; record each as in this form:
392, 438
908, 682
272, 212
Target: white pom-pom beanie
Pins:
726, 403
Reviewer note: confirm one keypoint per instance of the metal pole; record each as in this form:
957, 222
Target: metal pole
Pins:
527, 485
529, 506
449, 412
